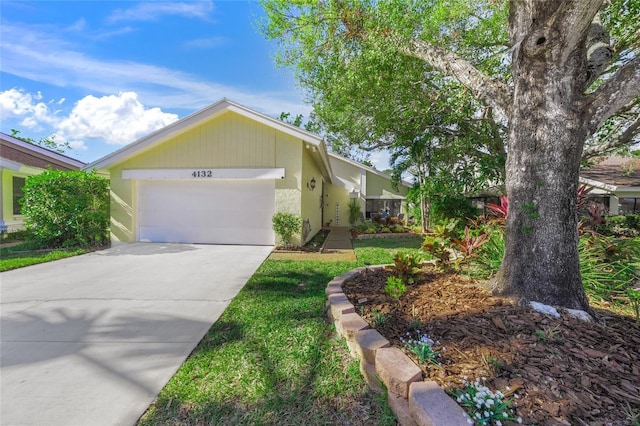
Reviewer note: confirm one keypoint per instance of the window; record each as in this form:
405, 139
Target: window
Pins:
18, 184
378, 206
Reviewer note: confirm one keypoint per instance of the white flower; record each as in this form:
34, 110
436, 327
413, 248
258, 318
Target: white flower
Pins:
519, 419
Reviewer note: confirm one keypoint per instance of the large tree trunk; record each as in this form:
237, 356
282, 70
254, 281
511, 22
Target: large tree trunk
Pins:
546, 135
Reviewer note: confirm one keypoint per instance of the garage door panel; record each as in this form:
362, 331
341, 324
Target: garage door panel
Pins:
215, 212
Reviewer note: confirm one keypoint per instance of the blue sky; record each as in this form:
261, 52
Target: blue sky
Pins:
101, 74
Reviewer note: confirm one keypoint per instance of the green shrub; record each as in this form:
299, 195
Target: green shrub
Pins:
395, 287
285, 225
489, 257
620, 226
452, 207
67, 208
632, 221
406, 266
606, 265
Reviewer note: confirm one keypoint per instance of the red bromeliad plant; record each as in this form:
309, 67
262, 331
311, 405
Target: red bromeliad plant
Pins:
583, 190
470, 243
500, 210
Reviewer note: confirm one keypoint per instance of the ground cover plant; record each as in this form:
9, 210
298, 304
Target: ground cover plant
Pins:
22, 255
272, 358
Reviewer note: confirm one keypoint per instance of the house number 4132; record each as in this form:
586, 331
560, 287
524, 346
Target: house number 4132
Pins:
202, 174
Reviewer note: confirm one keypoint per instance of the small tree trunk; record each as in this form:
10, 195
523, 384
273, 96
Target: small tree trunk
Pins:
425, 212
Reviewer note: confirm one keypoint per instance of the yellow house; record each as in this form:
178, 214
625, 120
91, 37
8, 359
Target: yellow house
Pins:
18, 161
219, 175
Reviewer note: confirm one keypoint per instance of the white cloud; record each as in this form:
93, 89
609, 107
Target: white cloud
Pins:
29, 107
115, 119
154, 10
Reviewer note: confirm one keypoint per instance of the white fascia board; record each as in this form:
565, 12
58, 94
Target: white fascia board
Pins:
202, 174
598, 184
8, 164
386, 197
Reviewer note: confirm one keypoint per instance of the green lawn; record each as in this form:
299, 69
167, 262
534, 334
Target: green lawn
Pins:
273, 357
21, 256
381, 251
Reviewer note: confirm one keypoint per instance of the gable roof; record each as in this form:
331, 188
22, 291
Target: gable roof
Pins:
369, 169
17, 151
181, 126
618, 171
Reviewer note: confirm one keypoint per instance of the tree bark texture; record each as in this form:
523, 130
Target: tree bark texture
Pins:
547, 130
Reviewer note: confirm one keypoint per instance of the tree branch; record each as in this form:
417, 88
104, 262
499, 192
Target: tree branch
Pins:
624, 139
493, 92
614, 95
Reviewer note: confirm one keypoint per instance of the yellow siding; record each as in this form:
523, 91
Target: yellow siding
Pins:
378, 186
336, 208
311, 210
288, 154
348, 173
229, 140
14, 222
123, 225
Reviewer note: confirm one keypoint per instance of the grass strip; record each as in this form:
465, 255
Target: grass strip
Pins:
12, 260
272, 358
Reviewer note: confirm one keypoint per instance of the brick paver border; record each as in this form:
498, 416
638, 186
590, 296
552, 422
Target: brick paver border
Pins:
414, 401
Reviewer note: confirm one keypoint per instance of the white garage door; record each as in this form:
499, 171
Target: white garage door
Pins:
209, 212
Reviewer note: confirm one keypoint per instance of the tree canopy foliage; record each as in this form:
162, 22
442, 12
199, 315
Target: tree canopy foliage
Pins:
556, 79
48, 142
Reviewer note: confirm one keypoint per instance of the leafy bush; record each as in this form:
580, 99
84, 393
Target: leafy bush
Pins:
632, 221
470, 243
452, 207
67, 208
606, 266
620, 226
395, 287
406, 266
439, 242
285, 225
489, 257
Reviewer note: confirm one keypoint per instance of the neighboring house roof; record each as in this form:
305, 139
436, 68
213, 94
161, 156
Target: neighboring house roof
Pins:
617, 171
18, 152
158, 137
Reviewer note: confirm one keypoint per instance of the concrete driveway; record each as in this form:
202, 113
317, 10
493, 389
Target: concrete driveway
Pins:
91, 340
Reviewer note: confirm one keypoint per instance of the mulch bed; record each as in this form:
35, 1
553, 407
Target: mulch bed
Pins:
563, 371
